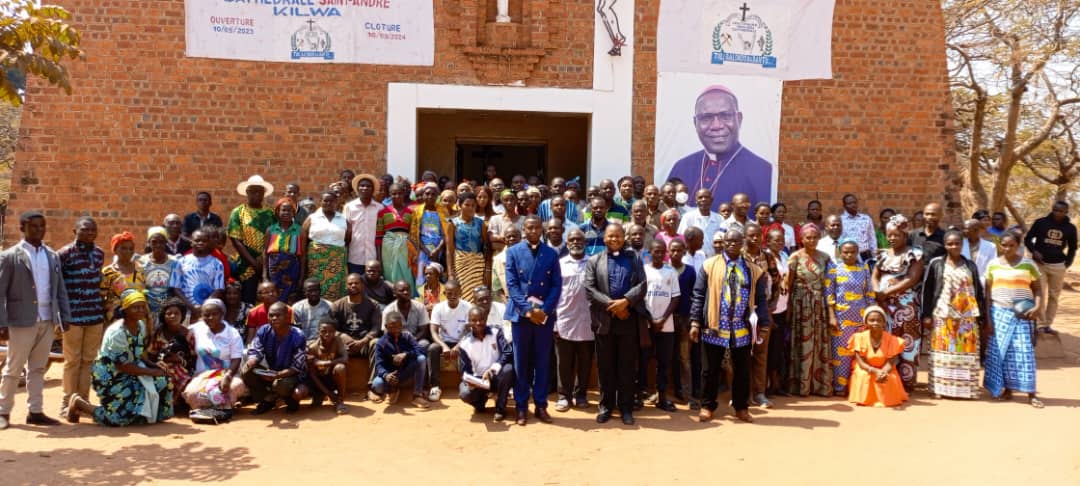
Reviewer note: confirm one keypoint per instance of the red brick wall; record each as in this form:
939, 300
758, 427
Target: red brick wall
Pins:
147, 127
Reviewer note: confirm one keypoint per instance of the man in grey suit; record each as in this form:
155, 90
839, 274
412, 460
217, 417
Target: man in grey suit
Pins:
615, 286
32, 301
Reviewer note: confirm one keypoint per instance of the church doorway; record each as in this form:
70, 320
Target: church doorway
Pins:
460, 143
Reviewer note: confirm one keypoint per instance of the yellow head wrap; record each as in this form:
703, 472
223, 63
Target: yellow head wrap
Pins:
131, 297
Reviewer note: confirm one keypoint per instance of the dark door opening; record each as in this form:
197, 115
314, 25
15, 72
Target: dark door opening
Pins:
528, 159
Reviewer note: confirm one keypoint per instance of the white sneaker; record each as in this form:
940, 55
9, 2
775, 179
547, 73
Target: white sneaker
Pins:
435, 394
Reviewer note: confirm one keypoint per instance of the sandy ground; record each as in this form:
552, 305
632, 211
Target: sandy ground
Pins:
802, 441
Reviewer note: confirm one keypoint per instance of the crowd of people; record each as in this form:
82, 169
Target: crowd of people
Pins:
522, 288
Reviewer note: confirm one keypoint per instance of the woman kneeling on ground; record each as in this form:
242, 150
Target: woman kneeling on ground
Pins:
131, 390
874, 380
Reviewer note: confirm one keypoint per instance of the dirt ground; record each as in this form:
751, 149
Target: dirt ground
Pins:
802, 441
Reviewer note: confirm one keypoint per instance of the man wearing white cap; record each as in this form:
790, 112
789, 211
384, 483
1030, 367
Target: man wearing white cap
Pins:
247, 230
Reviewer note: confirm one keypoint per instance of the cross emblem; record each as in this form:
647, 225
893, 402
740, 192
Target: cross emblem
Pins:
744, 9
311, 23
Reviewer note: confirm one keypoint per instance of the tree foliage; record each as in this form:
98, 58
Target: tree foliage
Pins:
35, 40
1016, 94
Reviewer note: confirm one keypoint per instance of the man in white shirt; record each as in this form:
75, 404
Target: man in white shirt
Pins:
859, 227
740, 211
976, 249
661, 298
362, 214
830, 241
574, 339
695, 255
484, 355
483, 299
448, 321
704, 218
33, 301
309, 312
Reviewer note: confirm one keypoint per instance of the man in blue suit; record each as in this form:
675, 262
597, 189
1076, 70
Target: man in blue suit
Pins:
533, 284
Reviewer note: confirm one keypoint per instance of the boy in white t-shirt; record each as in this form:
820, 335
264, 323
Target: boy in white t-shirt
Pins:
449, 320
661, 298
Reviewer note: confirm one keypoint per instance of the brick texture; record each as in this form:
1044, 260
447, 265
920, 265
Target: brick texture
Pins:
147, 127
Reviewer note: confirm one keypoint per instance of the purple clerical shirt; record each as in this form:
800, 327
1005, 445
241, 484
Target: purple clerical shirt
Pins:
746, 173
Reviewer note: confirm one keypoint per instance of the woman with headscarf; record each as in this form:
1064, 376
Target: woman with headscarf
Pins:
219, 350
897, 273
448, 204
874, 380
157, 267
953, 309
428, 230
1012, 282
131, 390
431, 291
325, 239
810, 370
121, 275
392, 235
468, 252
169, 345
849, 292
284, 256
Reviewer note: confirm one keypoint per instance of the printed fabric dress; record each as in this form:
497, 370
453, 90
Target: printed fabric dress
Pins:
954, 344
849, 292
127, 399
903, 310
810, 370
156, 279
1010, 354
468, 255
248, 226
178, 367
327, 254
429, 232
283, 254
113, 283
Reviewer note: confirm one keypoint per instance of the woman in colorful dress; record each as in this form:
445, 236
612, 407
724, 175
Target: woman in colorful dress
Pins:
897, 274
849, 291
1012, 282
428, 230
157, 267
874, 380
810, 370
284, 256
124, 273
467, 248
247, 229
131, 391
169, 345
953, 308
325, 238
218, 352
392, 235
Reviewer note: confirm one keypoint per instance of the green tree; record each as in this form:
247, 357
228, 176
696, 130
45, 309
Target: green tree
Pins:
35, 40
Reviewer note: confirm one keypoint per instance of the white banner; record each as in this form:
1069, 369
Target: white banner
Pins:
720, 133
783, 39
329, 31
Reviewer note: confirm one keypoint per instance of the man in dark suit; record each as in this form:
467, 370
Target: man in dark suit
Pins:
32, 302
724, 166
615, 285
533, 285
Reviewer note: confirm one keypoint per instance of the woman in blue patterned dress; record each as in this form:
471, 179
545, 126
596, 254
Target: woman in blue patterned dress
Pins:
466, 248
849, 293
130, 391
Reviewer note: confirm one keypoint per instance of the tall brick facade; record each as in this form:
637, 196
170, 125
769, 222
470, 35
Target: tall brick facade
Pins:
147, 127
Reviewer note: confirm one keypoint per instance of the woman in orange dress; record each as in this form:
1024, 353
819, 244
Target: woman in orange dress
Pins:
874, 381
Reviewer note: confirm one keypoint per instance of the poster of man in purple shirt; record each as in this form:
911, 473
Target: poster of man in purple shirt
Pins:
723, 164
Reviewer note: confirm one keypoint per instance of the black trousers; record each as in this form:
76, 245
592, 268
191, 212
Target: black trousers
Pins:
616, 354
712, 368
663, 349
575, 363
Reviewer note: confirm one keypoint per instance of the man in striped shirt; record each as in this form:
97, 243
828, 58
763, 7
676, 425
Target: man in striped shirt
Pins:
80, 265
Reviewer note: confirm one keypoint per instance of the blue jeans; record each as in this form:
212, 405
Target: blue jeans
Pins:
532, 362
415, 371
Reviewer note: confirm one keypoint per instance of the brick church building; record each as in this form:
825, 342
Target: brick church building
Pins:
148, 127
